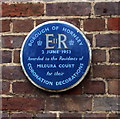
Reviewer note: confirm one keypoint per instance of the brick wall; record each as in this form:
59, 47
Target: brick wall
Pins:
97, 95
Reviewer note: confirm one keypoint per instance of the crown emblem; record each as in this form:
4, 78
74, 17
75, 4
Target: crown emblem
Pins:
39, 43
71, 42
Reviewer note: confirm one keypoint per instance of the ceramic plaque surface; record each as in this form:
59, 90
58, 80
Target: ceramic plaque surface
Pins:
55, 56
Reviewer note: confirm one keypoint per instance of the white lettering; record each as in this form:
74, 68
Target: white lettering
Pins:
62, 41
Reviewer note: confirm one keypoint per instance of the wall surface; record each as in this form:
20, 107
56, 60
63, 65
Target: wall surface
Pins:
97, 95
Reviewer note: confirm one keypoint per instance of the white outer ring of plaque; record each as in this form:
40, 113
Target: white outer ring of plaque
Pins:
83, 76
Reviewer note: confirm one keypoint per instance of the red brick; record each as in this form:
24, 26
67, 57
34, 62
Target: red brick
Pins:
94, 25
90, 38
114, 55
5, 26
70, 116
27, 87
22, 25
114, 116
98, 56
106, 71
113, 87
40, 21
6, 56
105, 104
114, 24
21, 9
107, 40
94, 87
23, 88
16, 56
21, 115
12, 72
68, 9
5, 87
45, 116
95, 116
22, 103
12, 41
74, 21
74, 91
55, 104
107, 8
4, 115
69, 103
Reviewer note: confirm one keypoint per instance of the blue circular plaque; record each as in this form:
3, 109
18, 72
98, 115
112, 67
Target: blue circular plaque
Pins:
55, 56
